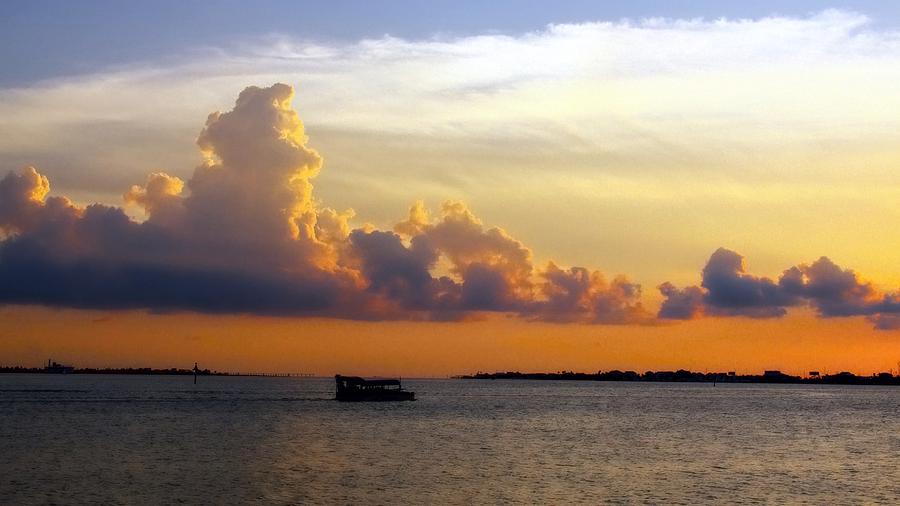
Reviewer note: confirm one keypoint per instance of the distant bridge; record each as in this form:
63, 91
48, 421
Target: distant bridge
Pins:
268, 374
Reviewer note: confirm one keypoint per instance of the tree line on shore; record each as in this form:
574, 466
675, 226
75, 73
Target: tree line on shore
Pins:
682, 375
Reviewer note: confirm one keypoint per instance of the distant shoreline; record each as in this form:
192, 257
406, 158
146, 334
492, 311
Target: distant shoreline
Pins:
684, 376
145, 371
680, 376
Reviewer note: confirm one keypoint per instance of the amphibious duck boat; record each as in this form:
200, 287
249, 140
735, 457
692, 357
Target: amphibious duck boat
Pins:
356, 389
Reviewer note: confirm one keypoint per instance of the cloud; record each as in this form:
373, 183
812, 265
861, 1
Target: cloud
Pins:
22, 199
727, 290
399, 273
32, 276
241, 239
680, 304
486, 260
578, 294
685, 126
730, 291
885, 321
244, 234
160, 198
582, 90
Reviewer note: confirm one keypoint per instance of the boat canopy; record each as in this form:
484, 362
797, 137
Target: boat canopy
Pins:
357, 381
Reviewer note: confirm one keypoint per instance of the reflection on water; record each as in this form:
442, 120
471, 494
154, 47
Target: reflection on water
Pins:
157, 439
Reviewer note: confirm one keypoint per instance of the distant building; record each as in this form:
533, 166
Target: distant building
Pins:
772, 374
813, 374
57, 368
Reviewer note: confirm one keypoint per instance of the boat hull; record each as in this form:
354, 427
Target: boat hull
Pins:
376, 396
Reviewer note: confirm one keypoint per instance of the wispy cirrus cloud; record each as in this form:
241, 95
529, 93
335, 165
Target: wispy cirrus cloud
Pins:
667, 88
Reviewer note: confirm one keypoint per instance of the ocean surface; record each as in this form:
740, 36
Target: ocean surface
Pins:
73, 439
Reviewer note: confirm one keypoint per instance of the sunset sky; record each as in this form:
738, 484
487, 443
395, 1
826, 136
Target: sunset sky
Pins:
434, 188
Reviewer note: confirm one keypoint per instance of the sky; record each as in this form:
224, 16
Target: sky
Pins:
411, 188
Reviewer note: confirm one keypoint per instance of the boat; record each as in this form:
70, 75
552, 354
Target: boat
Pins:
356, 389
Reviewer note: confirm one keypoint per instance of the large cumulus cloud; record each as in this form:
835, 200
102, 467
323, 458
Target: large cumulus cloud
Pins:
245, 234
727, 290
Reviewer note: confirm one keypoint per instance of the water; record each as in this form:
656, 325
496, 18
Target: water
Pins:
161, 440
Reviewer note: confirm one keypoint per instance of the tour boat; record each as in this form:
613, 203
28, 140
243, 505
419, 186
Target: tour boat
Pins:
356, 389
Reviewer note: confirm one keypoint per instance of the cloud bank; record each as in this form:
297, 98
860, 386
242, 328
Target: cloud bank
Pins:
727, 290
684, 126
245, 234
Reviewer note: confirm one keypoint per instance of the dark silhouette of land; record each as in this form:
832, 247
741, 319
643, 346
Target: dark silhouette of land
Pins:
56, 368
681, 375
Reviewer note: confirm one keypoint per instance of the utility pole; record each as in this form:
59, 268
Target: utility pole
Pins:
196, 370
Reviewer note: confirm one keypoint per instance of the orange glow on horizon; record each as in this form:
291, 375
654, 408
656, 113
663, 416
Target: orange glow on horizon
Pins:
795, 344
